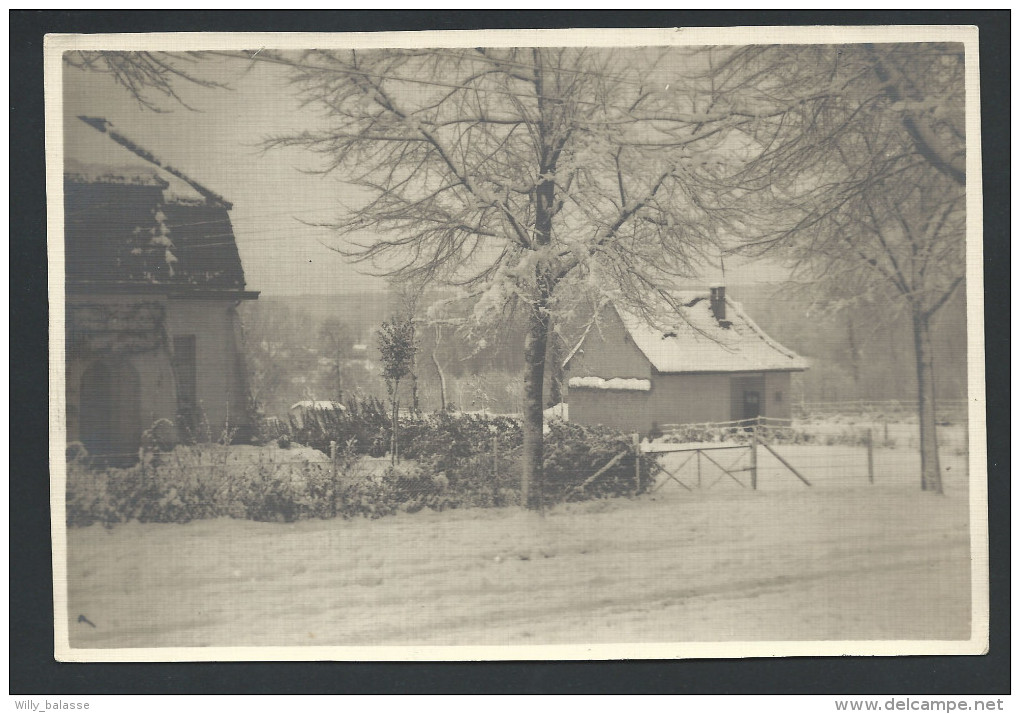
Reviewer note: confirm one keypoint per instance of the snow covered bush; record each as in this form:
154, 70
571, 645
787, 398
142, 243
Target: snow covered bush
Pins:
455, 466
446, 439
364, 420
174, 487
574, 453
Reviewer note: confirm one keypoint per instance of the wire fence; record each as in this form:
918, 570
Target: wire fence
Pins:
778, 454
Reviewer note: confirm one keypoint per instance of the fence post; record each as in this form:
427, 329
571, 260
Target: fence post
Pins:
495, 457
699, 467
871, 457
637, 464
332, 457
754, 459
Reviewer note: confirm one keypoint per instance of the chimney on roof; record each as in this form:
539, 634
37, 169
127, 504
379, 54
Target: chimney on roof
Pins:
717, 296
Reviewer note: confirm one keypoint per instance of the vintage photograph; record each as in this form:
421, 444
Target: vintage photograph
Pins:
518, 345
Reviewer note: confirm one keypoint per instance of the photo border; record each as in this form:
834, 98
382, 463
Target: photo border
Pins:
27, 306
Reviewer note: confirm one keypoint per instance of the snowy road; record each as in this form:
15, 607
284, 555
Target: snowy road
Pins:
836, 561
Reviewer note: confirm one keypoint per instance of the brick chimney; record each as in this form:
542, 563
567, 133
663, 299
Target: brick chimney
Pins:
717, 295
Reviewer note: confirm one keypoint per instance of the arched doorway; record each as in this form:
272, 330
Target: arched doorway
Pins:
110, 409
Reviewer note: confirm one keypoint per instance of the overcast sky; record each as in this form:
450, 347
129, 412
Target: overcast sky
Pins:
219, 146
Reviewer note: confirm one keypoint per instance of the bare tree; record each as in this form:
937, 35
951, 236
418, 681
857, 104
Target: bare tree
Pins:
861, 181
335, 338
514, 173
154, 79
265, 327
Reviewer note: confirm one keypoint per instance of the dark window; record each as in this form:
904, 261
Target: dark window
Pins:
186, 372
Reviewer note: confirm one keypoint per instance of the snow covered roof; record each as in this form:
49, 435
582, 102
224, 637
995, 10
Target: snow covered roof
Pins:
194, 188
128, 174
694, 340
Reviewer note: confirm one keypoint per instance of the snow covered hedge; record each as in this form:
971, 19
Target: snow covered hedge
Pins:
364, 423
459, 461
574, 453
193, 483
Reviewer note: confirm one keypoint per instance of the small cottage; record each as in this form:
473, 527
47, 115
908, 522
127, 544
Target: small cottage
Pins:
703, 360
153, 281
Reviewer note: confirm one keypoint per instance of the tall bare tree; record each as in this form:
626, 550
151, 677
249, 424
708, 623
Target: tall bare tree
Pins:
335, 340
154, 79
516, 172
860, 181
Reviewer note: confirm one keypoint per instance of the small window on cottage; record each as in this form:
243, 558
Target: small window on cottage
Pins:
185, 365
779, 397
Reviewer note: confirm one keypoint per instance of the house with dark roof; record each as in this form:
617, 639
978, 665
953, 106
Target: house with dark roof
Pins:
153, 280
699, 359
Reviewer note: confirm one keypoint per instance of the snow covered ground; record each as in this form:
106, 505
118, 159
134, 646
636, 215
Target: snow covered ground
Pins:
841, 560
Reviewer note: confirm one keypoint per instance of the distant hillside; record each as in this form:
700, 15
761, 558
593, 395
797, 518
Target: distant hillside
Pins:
858, 354
363, 311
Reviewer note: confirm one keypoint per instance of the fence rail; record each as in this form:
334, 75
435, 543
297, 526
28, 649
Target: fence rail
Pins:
698, 443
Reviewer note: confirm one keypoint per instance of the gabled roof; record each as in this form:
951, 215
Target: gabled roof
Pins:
693, 340
133, 222
121, 229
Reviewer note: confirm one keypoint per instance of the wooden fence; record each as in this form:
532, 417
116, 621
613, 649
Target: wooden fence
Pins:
711, 454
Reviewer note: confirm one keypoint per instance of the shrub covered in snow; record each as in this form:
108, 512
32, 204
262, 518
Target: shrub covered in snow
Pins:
176, 487
445, 439
364, 420
460, 461
575, 452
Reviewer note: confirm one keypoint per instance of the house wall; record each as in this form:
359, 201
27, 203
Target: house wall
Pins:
690, 398
219, 363
145, 357
777, 395
679, 399
621, 410
608, 351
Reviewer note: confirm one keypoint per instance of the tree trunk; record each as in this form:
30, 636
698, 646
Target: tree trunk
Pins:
414, 392
855, 356
534, 373
442, 383
339, 376
537, 340
555, 362
931, 473
394, 424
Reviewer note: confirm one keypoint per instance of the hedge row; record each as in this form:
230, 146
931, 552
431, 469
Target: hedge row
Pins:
458, 462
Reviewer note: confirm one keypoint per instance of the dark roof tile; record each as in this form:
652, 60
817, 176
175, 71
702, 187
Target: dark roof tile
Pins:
127, 233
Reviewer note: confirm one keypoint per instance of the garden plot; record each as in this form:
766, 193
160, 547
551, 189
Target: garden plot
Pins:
841, 560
